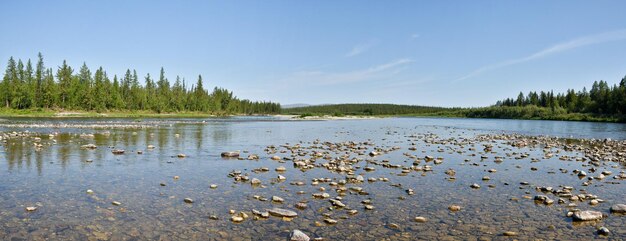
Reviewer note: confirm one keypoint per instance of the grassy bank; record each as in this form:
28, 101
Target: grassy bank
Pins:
54, 113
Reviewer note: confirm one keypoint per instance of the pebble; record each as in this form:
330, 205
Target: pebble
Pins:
420, 219
510, 233
330, 221
31, 209
454, 208
188, 200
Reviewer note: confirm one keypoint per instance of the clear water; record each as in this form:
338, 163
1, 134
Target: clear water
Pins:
55, 179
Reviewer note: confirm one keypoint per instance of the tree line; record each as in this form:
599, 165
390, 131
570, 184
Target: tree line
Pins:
365, 109
601, 99
25, 86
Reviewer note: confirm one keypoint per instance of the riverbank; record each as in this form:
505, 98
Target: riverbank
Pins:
51, 113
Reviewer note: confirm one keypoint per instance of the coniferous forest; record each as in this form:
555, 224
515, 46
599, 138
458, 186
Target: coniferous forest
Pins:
601, 103
28, 85
600, 99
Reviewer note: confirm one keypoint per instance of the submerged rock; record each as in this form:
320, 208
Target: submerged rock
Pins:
282, 212
454, 208
228, 154
618, 208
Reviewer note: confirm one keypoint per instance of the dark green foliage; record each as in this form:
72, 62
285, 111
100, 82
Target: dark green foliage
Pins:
23, 87
366, 109
601, 100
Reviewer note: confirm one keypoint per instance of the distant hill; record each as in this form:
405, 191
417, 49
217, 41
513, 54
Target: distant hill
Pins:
294, 105
365, 109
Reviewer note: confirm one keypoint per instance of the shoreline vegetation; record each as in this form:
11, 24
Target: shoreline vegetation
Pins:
34, 90
37, 91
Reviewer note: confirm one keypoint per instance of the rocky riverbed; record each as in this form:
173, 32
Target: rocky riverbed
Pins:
197, 181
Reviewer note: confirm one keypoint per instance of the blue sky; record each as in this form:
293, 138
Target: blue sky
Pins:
442, 53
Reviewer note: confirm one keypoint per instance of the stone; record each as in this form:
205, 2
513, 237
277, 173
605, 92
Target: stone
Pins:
89, 191
618, 208
587, 215
117, 151
282, 212
603, 231
337, 203
297, 235
181, 155
116, 203
330, 221
454, 208
188, 200
255, 181
236, 219
31, 209
89, 146
420, 219
301, 205
281, 169
510, 233
230, 154
213, 186
277, 199
475, 186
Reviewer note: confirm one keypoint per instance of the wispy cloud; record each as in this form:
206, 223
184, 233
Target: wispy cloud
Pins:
560, 47
361, 48
381, 71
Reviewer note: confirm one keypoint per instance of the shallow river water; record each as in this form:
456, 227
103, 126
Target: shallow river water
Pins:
45, 167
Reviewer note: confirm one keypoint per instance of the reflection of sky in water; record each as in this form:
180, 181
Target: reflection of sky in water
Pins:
57, 177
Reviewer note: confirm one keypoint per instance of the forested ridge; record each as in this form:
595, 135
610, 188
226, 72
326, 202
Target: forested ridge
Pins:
366, 109
25, 86
601, 103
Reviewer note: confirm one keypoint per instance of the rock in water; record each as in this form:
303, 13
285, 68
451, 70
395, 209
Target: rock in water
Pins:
298, 235
282, 212
603, 231
230, 154
118, 151
454, 208
618, 208
587, 215
188, 200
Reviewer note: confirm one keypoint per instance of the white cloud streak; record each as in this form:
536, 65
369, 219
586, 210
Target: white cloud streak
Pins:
381, 71
560, 47
361, 48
